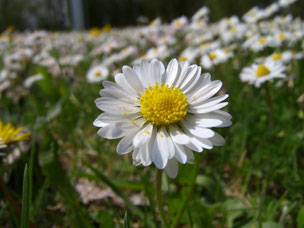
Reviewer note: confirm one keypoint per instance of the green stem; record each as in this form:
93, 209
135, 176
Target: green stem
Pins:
269, 102
159, 196
185, 203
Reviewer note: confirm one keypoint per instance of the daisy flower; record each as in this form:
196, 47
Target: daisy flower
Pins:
162, 114
215, 57
178, 24
285, 3
10, 134
97, 73
260, 73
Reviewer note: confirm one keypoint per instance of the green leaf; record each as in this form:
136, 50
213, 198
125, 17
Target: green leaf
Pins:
25, 200
126, 221
300, 218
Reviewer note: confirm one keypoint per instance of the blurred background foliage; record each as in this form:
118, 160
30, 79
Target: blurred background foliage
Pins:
57, 14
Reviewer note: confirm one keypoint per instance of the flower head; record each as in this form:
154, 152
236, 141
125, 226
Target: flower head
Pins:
9, 134
162, 114
265, 71
97, 73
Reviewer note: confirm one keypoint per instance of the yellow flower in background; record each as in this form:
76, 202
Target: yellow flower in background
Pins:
10, 134
106, 28
95, 31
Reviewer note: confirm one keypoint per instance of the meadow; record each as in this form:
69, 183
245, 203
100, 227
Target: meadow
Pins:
56, 171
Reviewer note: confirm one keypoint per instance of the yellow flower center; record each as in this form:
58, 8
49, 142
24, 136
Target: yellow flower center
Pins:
177, 23
97, 74
212, 55
262, 70
182, 58
262, 41
162, 105
232, 29
153, 22
281, 36
125, 50
277, 56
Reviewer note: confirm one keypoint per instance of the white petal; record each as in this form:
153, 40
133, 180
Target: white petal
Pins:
136, 157
122, 82
192, 73
190, 156
197, 131
217, 140
167, 142
156, 71
110, 132
210, 102
178, 136
208, 109
125, 145
205, 143
112, 89
160, 151
180, 153
205, 92
193, 146
172, 72
190, 86
202, 121
133, 80
144, 74
143, 136
146, 151
115, 106
130, 125
98, 122
172, 168
183, 72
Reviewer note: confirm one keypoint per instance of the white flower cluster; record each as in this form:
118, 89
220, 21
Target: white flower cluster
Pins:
259, 32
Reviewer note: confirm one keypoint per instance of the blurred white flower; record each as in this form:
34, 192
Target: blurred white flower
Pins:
215, 57
29, 81
260, 73
201, 13
97, 73
178, 24
285, 3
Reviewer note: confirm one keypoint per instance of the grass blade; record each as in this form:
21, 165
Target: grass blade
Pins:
126, 221
25, 200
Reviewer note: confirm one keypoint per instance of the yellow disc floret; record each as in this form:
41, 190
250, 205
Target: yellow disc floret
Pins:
163, 105
262, 70
277, 56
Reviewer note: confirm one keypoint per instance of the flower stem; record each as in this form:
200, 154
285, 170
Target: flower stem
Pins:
187, 199
269, 102
159, 196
